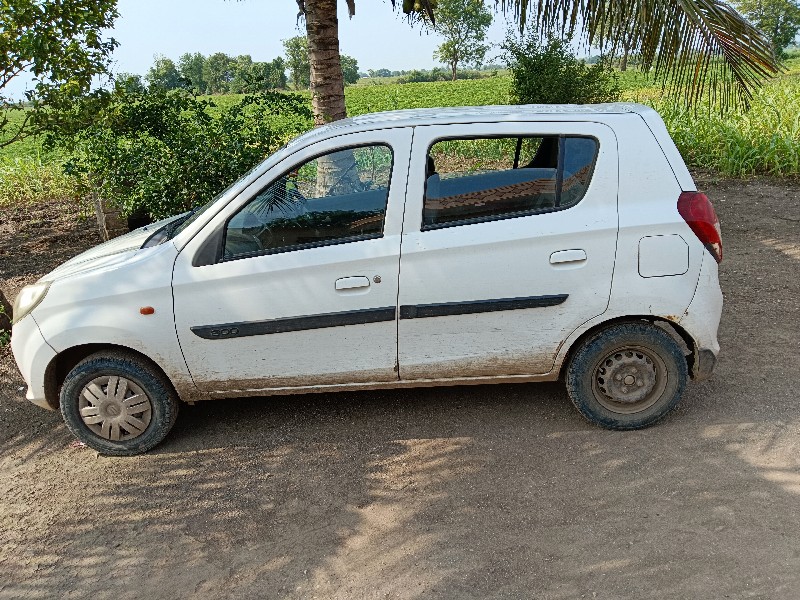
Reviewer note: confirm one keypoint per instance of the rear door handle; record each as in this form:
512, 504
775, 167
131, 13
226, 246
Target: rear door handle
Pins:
349, 283
567, 256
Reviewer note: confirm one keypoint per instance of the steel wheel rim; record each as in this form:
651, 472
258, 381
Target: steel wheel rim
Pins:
629, 379
115, 408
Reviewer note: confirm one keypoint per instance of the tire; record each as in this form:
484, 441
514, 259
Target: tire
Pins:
627, 376
118, 404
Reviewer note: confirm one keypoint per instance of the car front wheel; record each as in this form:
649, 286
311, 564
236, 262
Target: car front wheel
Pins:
627, 376
118, 404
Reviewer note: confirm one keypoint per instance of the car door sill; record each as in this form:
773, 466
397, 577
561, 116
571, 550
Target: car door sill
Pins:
383, 385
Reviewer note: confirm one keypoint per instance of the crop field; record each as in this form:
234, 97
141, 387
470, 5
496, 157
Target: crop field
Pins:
762, 139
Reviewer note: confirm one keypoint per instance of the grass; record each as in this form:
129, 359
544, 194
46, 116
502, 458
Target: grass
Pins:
29, 179
25, 148
30, 174
464, 92
762, 139
5, 335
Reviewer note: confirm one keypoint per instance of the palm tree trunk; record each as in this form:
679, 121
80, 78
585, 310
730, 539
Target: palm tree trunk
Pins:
327, 82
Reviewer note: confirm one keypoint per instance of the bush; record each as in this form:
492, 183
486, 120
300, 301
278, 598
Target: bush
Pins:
548, 73
164, 152
438, 74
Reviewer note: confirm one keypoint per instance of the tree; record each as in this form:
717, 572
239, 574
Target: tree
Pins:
349, 69
243, 75
700, 46
250, 77
164, 74
297, 61
217, 73
60, 43
778, 19
130, 82
380, 73
190, 67
463, 24
276, 76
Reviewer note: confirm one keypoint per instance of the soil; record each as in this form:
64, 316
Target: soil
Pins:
468, 492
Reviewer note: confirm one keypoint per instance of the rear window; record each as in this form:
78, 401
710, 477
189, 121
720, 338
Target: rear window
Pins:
476, 180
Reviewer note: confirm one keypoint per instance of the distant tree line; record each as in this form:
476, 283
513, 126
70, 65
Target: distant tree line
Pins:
441, 74
214, 74
220, 73
435, 74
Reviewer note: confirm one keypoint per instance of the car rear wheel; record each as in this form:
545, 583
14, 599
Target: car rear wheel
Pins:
118, 404
627, 376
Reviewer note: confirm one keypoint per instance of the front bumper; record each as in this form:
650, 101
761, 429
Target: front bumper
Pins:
33, 355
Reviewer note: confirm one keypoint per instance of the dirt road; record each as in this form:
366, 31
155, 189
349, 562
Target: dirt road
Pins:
488, 492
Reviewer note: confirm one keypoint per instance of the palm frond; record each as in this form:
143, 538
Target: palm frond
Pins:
699, 47
418, 9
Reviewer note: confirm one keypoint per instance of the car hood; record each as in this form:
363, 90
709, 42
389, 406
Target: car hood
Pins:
113, 252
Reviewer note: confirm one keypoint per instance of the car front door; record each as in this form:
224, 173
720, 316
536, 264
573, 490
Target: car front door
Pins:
303, 290
508, 245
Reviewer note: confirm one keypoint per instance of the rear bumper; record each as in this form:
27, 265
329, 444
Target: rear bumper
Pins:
704, 363
701, 320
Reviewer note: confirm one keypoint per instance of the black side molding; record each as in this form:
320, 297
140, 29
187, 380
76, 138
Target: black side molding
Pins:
371, 315
422, 311
338, 319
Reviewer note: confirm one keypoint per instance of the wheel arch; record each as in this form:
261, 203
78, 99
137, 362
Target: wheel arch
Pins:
65, 361
681, 336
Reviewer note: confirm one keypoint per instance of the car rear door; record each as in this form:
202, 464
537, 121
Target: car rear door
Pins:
489, 287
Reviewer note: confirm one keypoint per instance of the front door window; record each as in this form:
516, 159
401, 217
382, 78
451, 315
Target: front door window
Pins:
335, 198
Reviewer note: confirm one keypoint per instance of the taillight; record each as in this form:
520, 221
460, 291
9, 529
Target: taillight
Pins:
698, 212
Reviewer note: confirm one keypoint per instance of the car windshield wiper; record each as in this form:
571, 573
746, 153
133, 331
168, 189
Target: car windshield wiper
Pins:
171, 228
162, 234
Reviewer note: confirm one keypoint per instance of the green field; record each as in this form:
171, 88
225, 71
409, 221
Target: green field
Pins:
763, 139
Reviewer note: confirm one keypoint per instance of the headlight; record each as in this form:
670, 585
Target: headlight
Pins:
29, 298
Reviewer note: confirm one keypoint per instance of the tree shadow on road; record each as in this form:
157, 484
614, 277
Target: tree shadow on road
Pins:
492, 491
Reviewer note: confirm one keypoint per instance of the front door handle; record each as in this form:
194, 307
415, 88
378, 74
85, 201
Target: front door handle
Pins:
350, 283
567, 256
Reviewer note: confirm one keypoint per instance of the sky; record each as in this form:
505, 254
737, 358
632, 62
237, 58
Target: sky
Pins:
376, 37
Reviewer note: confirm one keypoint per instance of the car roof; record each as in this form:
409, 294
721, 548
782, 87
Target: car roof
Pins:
468, 114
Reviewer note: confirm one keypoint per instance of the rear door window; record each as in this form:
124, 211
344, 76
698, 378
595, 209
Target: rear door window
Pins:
476, 180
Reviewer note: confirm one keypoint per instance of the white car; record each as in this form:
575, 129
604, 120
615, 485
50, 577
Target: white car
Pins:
403, 249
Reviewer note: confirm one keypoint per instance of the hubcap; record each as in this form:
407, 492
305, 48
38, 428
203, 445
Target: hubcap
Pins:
115, 408
629, 379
